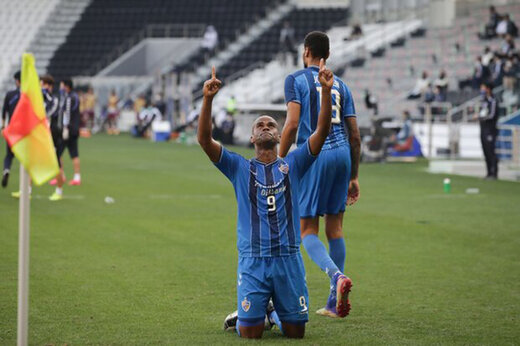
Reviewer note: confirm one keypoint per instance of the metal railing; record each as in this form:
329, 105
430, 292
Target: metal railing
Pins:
150, 31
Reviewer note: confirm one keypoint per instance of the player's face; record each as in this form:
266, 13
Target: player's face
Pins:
304, 55
265, 132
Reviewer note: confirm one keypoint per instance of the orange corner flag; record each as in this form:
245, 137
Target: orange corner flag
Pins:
28, 133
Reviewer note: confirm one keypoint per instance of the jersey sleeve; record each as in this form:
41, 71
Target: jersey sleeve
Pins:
292, 94
228, 163
301, 159
348, 108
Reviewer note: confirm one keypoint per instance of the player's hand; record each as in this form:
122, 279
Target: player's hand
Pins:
353, 192
325, 76
211, 86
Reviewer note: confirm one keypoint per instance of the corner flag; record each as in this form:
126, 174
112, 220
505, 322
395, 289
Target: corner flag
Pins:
28, 132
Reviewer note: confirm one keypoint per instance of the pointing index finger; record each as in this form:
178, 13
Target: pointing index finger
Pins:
213, 72
322, 64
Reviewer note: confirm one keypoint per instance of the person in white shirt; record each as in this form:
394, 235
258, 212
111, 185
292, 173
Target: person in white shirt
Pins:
209, 41
420, 87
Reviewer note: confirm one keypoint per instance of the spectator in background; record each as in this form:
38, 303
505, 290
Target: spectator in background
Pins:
487, 57
491, 25
356, 32
442, 84
231, 107
420, 87
371, 102
480, 74
112, 113
139, 104
506, 27
209, 41
488, 117
146, 117
497, 72
287, 46
89, 105
507, 48
509, 73
404, 139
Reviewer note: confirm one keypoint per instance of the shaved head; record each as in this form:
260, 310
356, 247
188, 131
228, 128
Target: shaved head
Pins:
264, 132
263, 117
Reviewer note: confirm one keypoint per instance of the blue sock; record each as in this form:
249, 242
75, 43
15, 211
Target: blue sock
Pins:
338, 252
318, 253
273, 318
237, 327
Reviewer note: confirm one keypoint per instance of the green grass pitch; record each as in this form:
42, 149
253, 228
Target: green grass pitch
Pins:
158, 266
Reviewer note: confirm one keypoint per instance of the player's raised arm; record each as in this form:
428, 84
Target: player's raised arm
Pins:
206, 141
326, 78
290, 128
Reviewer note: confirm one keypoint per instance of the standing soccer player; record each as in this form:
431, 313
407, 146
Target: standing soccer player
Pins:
324, 188
70, 119
10, 102
266, 187
52, 110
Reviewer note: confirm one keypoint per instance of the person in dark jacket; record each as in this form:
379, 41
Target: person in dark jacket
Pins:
69, 118
488, 116
10, 102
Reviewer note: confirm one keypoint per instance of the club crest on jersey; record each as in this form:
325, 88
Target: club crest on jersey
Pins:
246, 304
284, 168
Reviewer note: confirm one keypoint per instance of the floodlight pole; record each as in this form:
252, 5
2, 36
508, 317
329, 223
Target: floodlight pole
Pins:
23, 259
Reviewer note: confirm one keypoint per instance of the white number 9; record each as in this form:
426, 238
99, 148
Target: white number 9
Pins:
271, 202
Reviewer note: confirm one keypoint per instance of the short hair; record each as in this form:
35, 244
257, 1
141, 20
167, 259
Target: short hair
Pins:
488, 85
68, 83
318, 44
17, 75
47, 79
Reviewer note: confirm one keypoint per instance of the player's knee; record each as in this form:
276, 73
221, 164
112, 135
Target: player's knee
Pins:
309, 226
293, 331
334, 233
253, 332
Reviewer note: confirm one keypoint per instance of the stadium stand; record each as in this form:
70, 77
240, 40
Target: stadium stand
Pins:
20, 21
266, 47
264, 85
106, 24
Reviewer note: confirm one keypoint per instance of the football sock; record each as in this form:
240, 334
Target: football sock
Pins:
77, 176
237, 327
59, 191
318, 253
337, 251
273, 318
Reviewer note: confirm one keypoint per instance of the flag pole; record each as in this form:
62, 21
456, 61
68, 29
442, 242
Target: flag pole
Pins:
23, 259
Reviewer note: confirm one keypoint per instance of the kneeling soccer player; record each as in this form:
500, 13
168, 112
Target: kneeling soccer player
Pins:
270, 265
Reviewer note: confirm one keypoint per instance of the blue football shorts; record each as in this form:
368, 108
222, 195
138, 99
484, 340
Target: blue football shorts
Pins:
280, 278
323, 189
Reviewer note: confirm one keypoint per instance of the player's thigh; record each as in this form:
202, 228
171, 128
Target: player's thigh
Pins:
253, 290
311, 190
339, 181
334, 225
290, 295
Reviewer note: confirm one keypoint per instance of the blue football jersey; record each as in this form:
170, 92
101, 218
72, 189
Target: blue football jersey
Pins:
268, 222
304, 88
